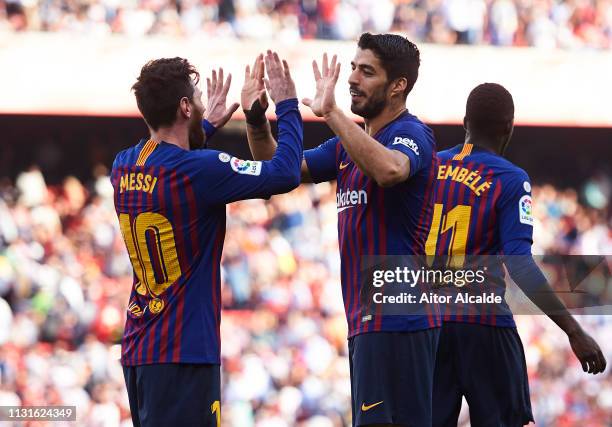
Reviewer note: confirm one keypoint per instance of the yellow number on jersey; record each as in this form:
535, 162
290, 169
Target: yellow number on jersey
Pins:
458, 221
135, 237
215, 408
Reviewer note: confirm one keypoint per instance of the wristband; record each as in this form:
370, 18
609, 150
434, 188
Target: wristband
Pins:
256, 116
209, 129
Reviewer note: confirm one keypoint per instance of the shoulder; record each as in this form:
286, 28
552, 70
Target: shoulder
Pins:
123, 157
447, 154
409, 130
511, 173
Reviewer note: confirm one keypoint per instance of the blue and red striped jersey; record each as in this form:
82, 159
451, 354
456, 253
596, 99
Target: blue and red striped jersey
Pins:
483, 209
378, 221
171, 208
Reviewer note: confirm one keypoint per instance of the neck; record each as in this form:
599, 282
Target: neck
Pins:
176, 135
388, 114
483, 142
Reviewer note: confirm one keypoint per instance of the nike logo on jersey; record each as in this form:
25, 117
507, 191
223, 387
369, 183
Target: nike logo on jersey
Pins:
343, 165
365, 407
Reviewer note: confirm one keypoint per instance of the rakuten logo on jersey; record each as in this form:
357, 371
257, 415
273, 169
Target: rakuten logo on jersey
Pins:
350, 198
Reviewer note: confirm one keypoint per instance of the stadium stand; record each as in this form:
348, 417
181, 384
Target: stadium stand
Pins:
568, 24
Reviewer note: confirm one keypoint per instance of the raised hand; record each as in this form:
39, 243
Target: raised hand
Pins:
588, 352
217, 112
279, 82
253, 88
324, 101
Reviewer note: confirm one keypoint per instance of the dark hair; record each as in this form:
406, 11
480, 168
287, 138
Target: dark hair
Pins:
398, 55
489, 109
160, 87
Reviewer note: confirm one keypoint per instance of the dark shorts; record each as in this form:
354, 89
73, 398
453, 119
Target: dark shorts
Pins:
486, 364
392, 377
173, 394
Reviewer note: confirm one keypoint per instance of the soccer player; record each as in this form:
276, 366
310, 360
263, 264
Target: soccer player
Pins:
170, 199
384, 180
483, 207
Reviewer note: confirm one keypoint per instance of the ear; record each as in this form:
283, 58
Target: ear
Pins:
398, 87
465, 123
185, 109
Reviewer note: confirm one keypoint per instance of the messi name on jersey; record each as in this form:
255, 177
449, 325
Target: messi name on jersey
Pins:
137, 181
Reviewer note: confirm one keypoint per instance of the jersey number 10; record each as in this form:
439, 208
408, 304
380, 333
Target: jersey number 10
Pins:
150, 242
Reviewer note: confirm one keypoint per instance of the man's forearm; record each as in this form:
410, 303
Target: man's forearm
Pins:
261, 142
528, 276
370, 156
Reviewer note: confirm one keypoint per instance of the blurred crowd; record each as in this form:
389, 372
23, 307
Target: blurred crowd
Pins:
65, 279
542, 23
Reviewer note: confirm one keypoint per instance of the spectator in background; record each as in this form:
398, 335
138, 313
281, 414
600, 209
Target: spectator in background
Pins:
549, 24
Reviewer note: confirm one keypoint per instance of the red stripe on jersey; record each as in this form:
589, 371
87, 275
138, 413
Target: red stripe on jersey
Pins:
382, 240
163, 340
370, 235
216, 260
350, 259
179, 294
443, 242
358, 252
418, 246
144, 330
479, 235
470, 202
193, 217
492, 219
422, 226
153, 324
137, 333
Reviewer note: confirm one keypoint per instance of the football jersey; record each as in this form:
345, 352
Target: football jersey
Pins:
171, 208
482, 210
378, 221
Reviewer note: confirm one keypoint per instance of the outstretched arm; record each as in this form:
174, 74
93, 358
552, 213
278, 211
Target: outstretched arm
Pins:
386, 167
528, 276
515, 224
254, 102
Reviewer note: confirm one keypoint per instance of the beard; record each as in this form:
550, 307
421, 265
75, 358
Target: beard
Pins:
197, 138
373, 105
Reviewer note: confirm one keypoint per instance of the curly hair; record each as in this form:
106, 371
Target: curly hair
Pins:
161, 85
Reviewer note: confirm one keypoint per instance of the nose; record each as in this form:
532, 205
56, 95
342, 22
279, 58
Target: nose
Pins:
354, 78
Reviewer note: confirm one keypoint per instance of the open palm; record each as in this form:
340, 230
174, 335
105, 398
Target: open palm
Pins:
324, 101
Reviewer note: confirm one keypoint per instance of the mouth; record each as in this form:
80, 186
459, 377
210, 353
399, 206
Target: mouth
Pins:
356, 94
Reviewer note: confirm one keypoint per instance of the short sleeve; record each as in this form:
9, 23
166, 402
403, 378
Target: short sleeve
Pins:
412, 143
321, 161
515, 214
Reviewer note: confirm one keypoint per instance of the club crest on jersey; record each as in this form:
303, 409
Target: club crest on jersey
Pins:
245, 167
406, 142
346, 199
525, 210
156, 305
